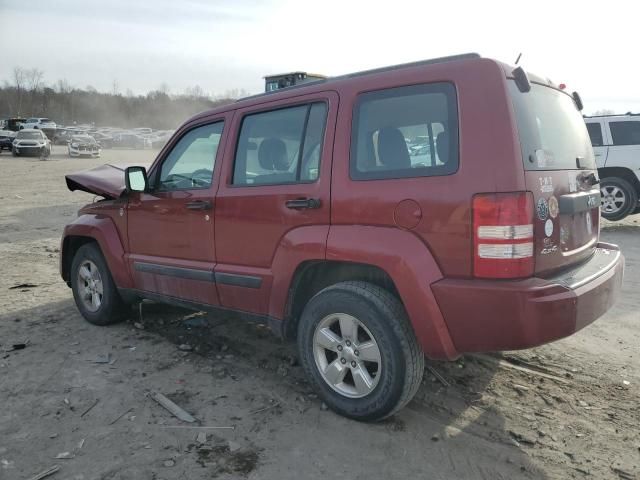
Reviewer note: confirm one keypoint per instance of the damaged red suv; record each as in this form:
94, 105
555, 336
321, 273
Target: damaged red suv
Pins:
434, 208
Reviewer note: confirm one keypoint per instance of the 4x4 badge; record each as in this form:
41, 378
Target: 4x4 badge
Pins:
542, 209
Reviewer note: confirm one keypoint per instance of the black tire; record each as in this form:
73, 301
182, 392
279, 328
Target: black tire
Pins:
402, 360
112, 309
630, 198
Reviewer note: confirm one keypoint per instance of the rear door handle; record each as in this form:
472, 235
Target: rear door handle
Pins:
301, 203
199, 205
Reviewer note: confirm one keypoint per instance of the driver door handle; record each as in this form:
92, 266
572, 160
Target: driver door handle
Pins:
302, 203
199, 205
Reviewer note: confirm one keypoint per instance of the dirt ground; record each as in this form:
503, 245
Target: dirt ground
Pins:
565, 410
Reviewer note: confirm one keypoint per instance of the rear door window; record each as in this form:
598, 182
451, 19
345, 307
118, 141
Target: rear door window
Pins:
280, 146
595, 134
405, 132
625, 132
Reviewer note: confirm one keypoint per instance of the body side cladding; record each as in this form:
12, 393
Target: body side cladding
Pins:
132, 295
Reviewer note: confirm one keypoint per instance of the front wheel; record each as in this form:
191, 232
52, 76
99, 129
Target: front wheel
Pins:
358, 347
94, 291
619, 198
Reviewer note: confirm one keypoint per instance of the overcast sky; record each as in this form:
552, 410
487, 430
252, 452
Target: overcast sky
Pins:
225, 44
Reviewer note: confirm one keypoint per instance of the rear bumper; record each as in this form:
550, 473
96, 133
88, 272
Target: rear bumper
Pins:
487, 315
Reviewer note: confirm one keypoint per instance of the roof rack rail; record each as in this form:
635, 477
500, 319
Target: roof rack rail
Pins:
628, 114
451, 58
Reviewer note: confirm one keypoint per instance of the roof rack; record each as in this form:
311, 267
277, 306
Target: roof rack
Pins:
451, 58
628, 114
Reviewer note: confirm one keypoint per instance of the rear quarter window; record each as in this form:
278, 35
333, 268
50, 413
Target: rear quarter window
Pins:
625, 132
405, 132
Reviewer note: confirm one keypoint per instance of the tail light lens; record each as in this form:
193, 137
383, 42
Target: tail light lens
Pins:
503, 235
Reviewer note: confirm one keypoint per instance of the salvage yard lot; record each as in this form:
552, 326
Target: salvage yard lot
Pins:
565, 410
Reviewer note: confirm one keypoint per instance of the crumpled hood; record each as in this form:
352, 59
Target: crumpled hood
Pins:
105, 180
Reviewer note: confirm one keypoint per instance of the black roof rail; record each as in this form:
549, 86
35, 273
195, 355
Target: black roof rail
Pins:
431, 61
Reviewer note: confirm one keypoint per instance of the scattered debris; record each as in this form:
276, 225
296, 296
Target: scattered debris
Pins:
440, 378
582, 403
23, 285
172, 407
17, 346
102, 358
435, 437
65, 456
520, 368
201, 438
80, 444
6, 463
46, 473
522, 437
626, 383
233, 446
323, 406
90, 408
520, 389
268, 407
185, 347
169, 463
120, 416
53, 435
190, 426
138, 325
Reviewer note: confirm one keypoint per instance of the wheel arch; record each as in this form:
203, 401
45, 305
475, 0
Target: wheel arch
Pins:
620, 172
396, 259
101, 230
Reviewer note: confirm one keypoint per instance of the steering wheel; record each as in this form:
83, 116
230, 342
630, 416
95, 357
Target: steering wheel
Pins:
201, 177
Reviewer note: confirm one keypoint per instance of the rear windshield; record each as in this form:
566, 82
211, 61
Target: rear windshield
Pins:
553, 135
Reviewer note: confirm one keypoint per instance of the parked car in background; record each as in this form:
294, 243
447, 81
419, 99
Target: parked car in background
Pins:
12, 124
616, 143
142, 130
31, 142
130, 140
83, 146
38, 123
104, 140
6, 139
63, 135
328, 231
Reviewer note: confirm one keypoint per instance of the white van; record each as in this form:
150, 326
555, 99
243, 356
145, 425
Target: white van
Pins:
616, 144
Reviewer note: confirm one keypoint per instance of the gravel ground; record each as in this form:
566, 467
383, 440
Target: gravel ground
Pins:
571, 412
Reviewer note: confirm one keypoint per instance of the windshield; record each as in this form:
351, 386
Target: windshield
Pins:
29, 136
553, 135
45, 120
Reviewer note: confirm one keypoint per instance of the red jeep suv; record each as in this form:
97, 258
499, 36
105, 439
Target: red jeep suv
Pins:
433, 208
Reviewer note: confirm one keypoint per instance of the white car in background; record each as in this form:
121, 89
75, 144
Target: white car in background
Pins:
616, 144
38, 123
31, 142
84, 146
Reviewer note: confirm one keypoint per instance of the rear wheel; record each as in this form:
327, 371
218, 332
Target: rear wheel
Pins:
94, 291
357, 346
619, 198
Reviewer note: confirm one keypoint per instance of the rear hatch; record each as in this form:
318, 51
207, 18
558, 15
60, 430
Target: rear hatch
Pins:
560, 171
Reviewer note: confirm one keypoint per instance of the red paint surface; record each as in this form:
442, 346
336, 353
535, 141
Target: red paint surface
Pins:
418, 230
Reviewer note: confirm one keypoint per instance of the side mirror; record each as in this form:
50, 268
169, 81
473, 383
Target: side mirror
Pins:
135, 179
